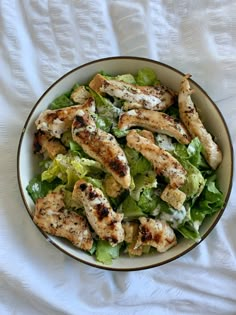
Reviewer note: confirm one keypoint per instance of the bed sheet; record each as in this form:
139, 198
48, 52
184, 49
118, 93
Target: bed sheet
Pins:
42, 40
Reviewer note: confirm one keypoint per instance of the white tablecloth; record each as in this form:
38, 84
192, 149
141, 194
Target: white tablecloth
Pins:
40, 41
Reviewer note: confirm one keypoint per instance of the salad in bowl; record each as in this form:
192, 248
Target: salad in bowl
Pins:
126, 167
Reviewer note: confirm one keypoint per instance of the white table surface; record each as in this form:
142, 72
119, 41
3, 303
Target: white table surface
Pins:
40, 41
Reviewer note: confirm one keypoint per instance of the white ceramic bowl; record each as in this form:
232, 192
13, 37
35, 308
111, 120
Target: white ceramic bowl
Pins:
213, 120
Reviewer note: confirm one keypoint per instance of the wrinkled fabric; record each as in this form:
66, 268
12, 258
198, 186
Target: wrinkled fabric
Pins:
41, 41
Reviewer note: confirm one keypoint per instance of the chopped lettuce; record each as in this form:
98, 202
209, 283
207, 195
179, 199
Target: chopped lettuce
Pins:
189, 232
192, 153
105, 253
142, 181
194, 182
148, 200
146, 76
39, 189
210, 201
60, 102
190, 157
130, 208
138, 164
107, 113
127, 78
70, 168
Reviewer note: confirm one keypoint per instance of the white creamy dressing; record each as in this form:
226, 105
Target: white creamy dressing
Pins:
132, 112
165, 142
175, 218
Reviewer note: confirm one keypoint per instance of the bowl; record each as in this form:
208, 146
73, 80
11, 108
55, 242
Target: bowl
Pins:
27, 163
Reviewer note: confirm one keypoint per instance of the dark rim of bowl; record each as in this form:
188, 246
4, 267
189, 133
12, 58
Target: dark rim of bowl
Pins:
219, 214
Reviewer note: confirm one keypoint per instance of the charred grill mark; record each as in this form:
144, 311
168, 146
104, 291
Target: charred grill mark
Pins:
119, 167
83, 187
80, 121
52, 116
102, 211
37, 147
92, 195
146, 234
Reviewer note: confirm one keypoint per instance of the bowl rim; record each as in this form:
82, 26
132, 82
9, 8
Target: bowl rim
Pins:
110, 267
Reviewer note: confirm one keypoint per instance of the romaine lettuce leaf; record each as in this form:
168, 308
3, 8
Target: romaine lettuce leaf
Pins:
138, 164
70, 168
130, 208
39, 189
211, 200
148, 200
142, 181
127, 77
60, 102
107, 113
194, 182
188, 231
146, 76
105, 253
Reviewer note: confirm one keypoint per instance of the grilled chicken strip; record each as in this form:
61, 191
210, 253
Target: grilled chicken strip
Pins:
52, 217
193, 123
156, 122
156, 233
56, 122
151, 97
47, 145
163, 162
103, 219
101, 146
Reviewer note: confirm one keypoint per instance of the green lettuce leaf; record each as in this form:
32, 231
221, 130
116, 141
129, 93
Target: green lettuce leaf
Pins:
61, 102
138, 164
39, 189
211, 199
70, 168
130, 208
146, 76
194, 182
142, 181
148, 200
107, 113
105, 253
189, 232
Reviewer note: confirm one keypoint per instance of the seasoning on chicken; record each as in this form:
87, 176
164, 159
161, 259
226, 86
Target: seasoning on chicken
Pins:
47, 145
56, 122
154, 121
147, 134
101, 146
156, 97
193, 123
80, 95
102, 218
163, 162
156, 233
52, 217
